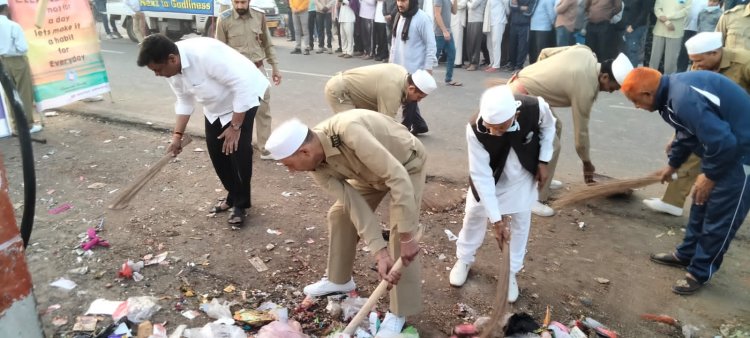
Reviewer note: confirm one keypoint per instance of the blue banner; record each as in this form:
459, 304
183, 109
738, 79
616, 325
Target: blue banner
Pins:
202, 7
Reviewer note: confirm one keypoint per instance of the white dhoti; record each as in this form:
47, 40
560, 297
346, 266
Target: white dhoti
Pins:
458, 22
494, 41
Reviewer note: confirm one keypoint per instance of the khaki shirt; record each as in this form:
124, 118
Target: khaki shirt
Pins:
247, 34
735, 64
734, 26
380, 87
368, 149
566, 77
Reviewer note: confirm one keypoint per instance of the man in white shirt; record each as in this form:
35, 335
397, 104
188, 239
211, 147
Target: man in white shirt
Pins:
229, 86
510, 144
413, 46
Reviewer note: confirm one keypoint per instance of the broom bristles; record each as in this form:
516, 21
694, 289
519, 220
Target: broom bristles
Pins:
604, 189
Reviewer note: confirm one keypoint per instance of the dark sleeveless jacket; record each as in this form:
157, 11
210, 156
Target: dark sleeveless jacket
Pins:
525, 141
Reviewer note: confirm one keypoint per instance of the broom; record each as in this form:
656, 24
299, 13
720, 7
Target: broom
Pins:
501, 298
606, 189
122, 200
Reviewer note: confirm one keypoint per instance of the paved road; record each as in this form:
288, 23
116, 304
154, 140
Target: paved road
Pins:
625, 141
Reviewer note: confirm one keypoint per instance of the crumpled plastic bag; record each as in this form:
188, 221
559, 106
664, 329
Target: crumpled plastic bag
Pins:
277, 329
221, 328
137, 309
217, 309
350, 307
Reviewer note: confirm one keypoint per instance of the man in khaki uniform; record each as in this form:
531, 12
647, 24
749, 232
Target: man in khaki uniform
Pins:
551, 78
382, 87
734, 26
706, 52
244, 29
359, 156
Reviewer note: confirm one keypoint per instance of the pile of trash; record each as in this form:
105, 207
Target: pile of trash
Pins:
523, 325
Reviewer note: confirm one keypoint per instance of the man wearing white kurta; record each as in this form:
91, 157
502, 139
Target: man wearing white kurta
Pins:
510, 143
495, 18
458, 22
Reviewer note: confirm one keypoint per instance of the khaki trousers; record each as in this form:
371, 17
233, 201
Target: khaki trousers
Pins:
263, 120
406, 297
337, 95
18, 69
139, 26
544, 191
678, 190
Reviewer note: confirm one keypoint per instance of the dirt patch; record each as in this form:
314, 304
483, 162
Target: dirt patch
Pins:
172, 214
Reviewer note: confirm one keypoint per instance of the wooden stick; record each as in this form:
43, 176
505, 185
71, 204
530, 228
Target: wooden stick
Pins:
373, 299
501, 297
122, 200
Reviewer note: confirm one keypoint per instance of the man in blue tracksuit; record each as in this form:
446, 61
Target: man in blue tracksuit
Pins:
710, 117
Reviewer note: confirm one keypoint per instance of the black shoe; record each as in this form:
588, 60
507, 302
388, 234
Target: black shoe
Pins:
419, 130
296, 51
377, 59
686, 286
306, 52
669, 258
338, 50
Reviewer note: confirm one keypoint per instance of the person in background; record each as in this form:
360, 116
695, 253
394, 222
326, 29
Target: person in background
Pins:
635, 19
520, 23
668, 31
566, 12
290, 33
323, 22
734, 26
139, 20
542, 28
709, 16
312, 24
366, 19
458, 25
600, 32
474, 32
495, 20
443, 37
379, 33
346, 28
300, 16
101, 9
13, 49
691, 28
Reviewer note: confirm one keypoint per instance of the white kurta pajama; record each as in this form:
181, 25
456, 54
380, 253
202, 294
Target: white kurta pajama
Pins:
513, 195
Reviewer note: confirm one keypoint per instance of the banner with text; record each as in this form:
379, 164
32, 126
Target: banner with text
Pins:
64, 54
200, 7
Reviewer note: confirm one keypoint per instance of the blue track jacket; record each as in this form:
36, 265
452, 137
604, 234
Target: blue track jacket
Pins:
711, 116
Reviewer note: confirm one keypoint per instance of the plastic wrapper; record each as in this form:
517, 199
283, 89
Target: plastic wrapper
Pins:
253, 317
222, 328
137, 309
217, 309
276, 329
350, 307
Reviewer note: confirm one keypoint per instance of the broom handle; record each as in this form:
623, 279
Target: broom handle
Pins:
379, 291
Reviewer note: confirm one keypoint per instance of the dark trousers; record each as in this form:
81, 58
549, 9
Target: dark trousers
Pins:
380, 40
712, 226
338, 29
236, 169
564, 37
290, 26
413, 119
323, 21
683, 60
366, 35
539, 40
599, 37
312, 18
358, 44
518, 45
505, 47
474, 37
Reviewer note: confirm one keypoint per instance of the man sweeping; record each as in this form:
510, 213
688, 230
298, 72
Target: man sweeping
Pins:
230, 87
359, 156
570, 77
382, 87
510, 145
709, 114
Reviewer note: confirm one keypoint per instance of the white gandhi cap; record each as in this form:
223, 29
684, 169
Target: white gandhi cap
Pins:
498, 105
621, 67
286, 139
423, 80
703, 43
3, 2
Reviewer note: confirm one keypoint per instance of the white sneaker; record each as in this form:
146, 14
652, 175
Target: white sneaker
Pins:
391, 326
324, 287
512, 289
656, 204
459, 273
555, 185
35, 128
541, 209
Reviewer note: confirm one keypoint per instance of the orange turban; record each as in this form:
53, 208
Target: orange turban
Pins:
639, 80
